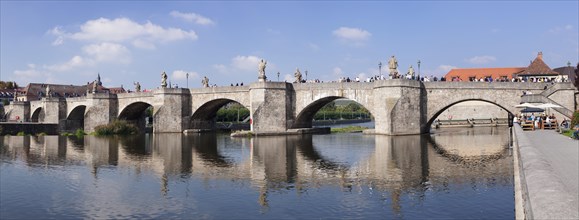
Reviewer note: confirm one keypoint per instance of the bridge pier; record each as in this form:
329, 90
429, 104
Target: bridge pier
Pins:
270, 107
51, 104
18, 111
174, 112
103, 109
399, 107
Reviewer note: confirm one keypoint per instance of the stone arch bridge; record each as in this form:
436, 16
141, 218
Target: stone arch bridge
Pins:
399, 106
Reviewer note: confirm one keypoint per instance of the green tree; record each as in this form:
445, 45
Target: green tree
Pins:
329, 107
8, 85
575, 119
353, 107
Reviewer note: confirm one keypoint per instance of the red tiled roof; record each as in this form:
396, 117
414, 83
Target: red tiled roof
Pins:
538, 67
117, 90
465, 74
35, 91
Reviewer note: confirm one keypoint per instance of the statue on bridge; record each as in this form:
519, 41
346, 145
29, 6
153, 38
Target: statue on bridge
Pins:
205, 82
163, 80
261, 69
94, 86
393, 66
298, 76
410, 73
48, 94
137, 87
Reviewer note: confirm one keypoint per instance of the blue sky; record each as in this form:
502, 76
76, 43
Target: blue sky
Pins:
70, 42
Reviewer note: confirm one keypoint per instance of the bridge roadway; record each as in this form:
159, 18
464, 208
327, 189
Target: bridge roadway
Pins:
399, 106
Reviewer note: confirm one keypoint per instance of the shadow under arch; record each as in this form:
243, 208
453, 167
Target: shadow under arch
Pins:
136, 114
426, 127
205, 116
305, 117
305, 147
37, 115
75, 119
478, 159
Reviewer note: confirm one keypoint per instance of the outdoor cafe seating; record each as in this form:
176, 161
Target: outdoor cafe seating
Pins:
528, 125
551, 125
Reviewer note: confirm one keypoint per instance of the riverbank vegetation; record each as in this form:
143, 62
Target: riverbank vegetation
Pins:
232, 112
117, 127
348, 129
336, 110
575, 119
78, 133
342, 109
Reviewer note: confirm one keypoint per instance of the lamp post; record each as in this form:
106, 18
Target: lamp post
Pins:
380, 70
277, 76
306, 75
418, 69
187, 75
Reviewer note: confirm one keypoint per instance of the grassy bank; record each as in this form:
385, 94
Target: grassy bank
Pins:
348, 129
568, 133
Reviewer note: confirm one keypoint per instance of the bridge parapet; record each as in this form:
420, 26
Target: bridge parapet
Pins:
556, 87
135, 95
219, 89
333, 85
486, 85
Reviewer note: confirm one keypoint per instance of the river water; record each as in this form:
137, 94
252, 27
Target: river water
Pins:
452, 173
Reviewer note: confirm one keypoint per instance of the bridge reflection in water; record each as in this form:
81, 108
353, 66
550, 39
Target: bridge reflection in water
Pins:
392, 167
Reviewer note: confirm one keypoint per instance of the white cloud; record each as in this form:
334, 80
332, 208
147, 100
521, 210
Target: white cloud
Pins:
123, 30
139, 43
58, 41
182, 75
559, 29
220, 68
481, 59
96, 54
192, 17
33, 73
108, 52
352, 34
245, 63
314, 47
74, 62
57, 31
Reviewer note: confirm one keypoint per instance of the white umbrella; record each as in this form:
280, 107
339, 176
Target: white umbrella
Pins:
548, 105
525, 105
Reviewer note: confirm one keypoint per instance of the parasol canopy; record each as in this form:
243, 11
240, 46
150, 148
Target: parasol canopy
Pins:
525, 105
548, 105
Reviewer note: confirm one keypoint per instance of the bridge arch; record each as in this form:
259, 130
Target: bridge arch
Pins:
304, 117
437, 111
204, 116
75, 118
37, 115
136, 113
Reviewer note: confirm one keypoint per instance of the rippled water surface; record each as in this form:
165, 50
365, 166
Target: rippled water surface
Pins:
453, 173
